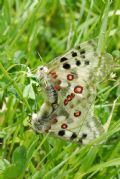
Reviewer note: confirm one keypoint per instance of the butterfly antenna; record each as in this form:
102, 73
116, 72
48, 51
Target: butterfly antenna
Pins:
40, 58
43, 65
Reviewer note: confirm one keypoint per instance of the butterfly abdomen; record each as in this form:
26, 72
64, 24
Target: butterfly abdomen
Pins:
51, 93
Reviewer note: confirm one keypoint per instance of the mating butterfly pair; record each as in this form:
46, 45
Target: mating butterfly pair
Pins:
69, 82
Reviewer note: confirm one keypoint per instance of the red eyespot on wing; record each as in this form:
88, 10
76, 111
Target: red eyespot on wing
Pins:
69, 97
65, 102
64, 126
77, 114
56, 87
78, 89
54, 120
53, 74
72, 95
70, 77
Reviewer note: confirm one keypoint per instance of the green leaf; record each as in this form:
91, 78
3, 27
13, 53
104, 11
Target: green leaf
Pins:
118, 91
19, 155
13, 171
17, 168
29, 92
3, 164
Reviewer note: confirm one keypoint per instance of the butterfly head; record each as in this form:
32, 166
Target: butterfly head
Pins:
41, 72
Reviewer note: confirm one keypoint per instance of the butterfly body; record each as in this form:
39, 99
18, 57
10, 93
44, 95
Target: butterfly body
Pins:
70, 83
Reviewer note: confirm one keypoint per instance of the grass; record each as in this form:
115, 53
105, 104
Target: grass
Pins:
50, 28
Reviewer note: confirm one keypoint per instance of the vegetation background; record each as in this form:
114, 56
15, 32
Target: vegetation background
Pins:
51, 27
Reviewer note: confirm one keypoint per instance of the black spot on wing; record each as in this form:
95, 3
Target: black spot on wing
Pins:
73, 136
84, 135
80, 141
78, 63
74, 54
87, 62
82, 56
66, 66
61, 133
63, 59
82, 51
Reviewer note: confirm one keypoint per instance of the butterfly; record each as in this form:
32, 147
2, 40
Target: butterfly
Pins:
69, 83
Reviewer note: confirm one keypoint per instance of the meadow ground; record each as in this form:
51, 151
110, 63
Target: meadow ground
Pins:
50, 28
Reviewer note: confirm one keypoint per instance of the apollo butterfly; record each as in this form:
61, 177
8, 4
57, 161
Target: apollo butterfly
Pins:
69, 82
